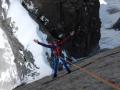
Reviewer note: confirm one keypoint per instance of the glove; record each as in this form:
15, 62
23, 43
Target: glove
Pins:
36, 41
72, 33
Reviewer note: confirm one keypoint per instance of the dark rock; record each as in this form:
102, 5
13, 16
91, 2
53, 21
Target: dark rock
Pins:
81, 16
116, 26
113, 10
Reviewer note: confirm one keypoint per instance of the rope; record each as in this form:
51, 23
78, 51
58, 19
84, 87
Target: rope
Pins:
94, 75
115, 86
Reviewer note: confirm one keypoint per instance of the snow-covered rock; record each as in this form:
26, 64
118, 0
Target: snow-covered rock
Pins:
8, 71
27, 31
21, 30
109, 14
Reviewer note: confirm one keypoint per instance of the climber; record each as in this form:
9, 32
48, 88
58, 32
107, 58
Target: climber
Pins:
56, 53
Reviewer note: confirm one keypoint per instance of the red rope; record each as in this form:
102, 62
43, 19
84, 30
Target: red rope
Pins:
115, 86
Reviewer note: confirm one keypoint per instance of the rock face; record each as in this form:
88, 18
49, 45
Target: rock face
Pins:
116, 26
105, 65
81, 16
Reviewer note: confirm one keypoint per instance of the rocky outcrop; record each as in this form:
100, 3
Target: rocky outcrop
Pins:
81, 16
116, 26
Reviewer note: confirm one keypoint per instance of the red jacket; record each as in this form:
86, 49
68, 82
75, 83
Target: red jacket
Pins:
55, 46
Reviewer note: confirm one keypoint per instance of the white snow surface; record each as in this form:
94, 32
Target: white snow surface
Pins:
8, 72
109, 37
26, 30
103, 2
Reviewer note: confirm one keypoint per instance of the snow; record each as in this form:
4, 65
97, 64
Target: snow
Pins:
109, 37
8, 72
103, 2
4, 5
28, 30
25, 29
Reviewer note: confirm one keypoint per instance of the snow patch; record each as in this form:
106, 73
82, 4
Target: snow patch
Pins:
4, 5
109, 37
103, 2
27, 31
8, 72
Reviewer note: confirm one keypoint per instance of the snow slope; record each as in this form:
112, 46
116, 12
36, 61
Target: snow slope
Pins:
109, 37
26, 30
8, 72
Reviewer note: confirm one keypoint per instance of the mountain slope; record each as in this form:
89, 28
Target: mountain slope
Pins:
8, 70
105, 65
110, 15
21, 30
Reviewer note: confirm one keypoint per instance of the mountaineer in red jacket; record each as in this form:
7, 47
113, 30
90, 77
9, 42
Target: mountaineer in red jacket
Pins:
56, 53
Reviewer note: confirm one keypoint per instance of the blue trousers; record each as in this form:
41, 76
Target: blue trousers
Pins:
55, 63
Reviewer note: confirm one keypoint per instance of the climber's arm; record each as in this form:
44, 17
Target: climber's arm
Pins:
42, 44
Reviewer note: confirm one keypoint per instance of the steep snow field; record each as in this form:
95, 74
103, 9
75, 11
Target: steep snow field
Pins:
28, 30
109, 37
8, 71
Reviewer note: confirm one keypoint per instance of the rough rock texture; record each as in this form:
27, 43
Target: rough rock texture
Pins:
115, 10
22, 56
116, 26
65, 16
105, 64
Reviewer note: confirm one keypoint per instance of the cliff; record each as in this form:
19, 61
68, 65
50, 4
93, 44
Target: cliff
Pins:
105, 64
64, 16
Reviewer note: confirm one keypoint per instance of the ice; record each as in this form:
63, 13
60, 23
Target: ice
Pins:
8, 72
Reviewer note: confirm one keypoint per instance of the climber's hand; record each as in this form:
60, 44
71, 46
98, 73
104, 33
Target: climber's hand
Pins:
36, 41
72, 33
